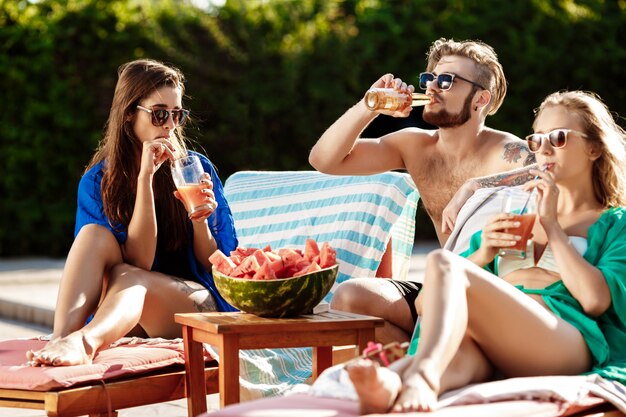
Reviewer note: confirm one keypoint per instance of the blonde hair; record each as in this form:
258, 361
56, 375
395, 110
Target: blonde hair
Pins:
609, 170
489, 72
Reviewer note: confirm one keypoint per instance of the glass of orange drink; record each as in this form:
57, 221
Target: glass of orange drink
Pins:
523, 206
187, 173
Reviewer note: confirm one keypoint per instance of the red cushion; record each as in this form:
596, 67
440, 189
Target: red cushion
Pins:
114, 362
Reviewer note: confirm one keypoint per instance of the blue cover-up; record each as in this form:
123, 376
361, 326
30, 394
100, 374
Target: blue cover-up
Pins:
221, 224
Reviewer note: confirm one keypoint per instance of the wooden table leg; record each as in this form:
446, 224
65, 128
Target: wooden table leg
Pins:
364, 336
322, 359
194, 374
229, 382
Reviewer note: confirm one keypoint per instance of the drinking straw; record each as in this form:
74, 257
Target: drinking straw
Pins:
530, 194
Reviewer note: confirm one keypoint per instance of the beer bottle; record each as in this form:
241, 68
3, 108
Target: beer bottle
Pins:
392, 100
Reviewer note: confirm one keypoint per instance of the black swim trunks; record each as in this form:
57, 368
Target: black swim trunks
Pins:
409, 291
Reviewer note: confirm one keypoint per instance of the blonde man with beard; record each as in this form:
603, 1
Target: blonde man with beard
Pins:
466, 83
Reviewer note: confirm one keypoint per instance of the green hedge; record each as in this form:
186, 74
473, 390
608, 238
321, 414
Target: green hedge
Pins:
265, 79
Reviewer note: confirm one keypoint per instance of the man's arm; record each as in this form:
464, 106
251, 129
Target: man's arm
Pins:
340, 151
509, 178
333, 152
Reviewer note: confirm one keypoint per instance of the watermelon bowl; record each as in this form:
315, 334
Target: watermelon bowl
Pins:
281, 297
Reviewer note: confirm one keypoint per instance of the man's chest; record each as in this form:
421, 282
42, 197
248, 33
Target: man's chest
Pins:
438, 180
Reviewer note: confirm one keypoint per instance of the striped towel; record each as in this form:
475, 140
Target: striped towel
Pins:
356, 215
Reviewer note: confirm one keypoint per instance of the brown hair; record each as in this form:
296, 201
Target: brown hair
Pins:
609, 170
489, 72
121, 152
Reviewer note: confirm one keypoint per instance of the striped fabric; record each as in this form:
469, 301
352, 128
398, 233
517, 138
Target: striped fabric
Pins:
356, 215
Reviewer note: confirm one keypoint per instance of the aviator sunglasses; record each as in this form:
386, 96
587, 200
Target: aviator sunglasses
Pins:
557, 139
161, 116
444, 80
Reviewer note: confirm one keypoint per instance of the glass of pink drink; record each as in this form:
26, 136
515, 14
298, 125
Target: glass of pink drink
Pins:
187, 173
523, 206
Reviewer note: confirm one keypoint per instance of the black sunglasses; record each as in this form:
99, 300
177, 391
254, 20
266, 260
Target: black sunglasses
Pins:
444, 80
161, 116
556, 137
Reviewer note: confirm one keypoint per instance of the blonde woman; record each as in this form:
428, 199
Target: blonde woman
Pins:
563, 312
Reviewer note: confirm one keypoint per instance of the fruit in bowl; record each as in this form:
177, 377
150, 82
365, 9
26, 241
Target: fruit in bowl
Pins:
280, 297
282, 283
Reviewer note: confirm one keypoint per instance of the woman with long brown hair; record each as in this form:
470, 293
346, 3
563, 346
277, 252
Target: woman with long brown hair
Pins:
138, 257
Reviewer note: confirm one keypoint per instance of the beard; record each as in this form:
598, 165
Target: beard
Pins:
445, 119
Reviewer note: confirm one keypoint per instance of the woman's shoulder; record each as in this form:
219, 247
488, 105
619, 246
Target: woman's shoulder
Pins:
612, 223
202, 156
93, 174
204, 160
614, 215
94, 169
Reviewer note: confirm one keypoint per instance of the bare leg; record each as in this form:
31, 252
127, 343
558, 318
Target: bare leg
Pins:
422, 377
377, 387
93, 253
495, 333
134, 296
501, 320
379, 298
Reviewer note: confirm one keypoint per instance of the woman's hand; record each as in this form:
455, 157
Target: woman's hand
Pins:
548, 196
450, 213
388, 81
494, 238
154, 153
209, 200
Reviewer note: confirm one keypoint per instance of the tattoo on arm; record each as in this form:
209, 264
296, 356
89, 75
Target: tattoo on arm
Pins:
530, 159
509, 178
513, 153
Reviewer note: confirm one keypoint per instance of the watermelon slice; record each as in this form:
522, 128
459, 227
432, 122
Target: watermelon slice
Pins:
308, 268
265, 272
272, 256
243, 251
260, 257
311, 250
237, 259
222, 262
328, 256
248, 266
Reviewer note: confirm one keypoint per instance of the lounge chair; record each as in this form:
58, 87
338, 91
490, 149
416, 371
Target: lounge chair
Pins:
551, 399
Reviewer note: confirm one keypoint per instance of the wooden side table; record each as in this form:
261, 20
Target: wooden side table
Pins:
230, 332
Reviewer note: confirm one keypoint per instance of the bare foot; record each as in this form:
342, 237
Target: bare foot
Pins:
66, 351
419, 393
376, 387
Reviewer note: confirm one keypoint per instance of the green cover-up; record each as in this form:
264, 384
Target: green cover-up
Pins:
605, 335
